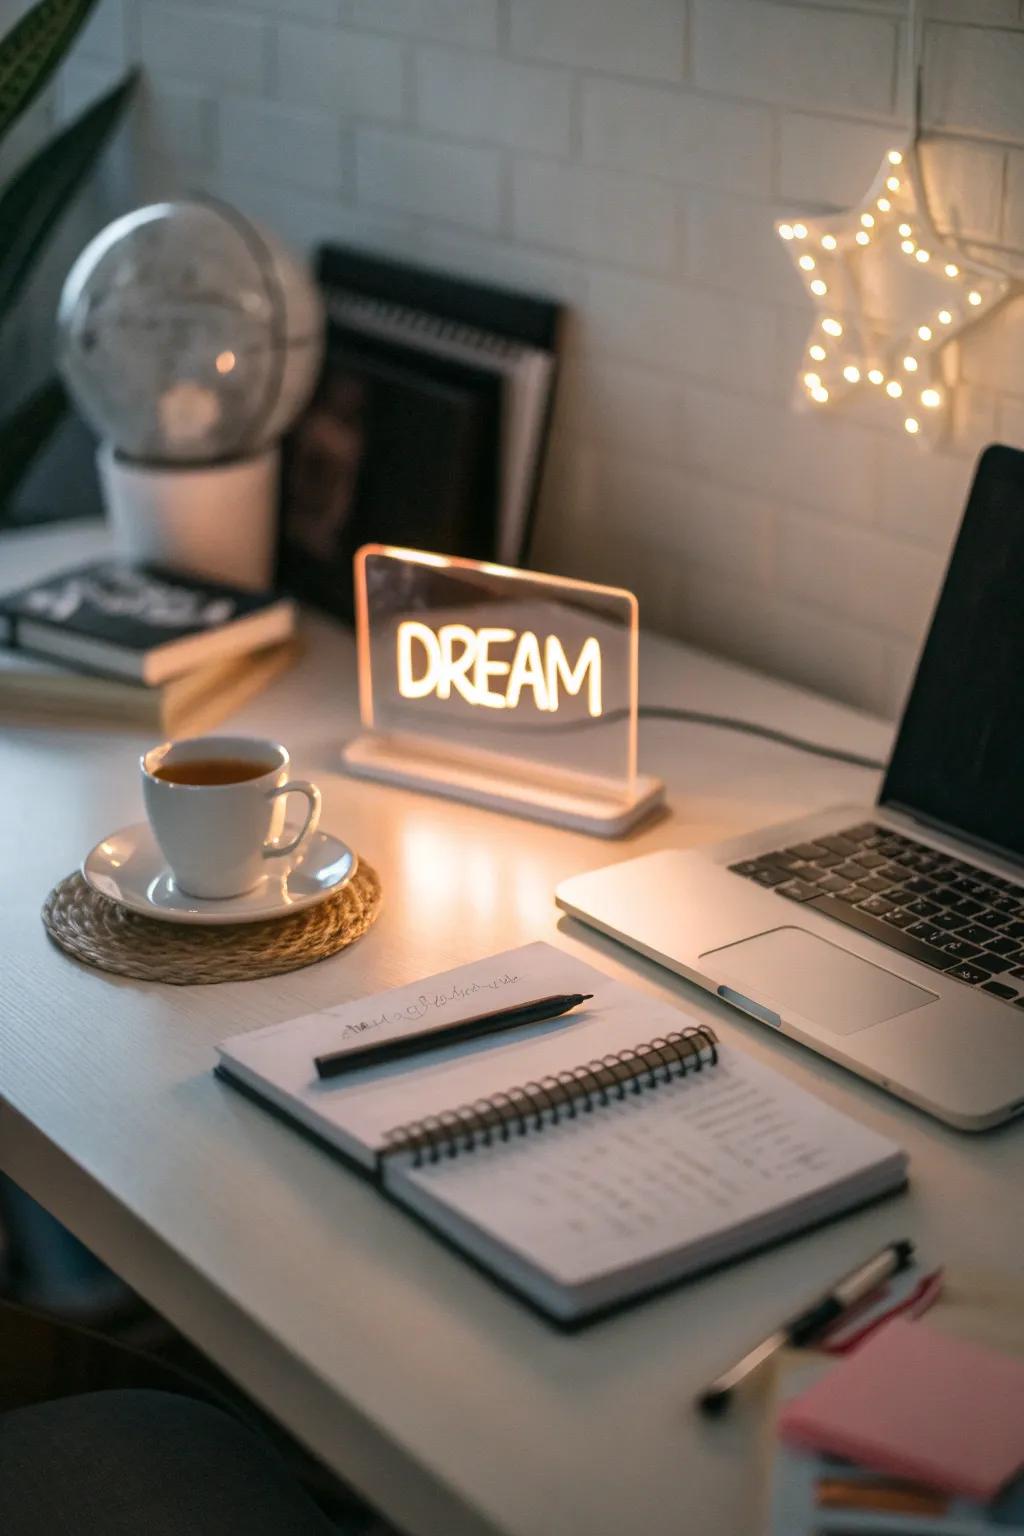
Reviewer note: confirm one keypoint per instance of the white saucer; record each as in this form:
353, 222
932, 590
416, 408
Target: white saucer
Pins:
129, 868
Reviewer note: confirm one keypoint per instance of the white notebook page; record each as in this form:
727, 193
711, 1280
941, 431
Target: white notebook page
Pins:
685, 1168
356, 1112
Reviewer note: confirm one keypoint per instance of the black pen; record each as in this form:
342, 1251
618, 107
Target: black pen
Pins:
813, 1320
336, 1062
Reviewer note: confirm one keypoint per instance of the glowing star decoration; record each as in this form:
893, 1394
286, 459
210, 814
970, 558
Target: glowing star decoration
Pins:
512, 689
890, 295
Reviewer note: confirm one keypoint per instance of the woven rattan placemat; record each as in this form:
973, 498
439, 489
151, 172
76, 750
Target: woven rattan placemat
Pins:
98, 931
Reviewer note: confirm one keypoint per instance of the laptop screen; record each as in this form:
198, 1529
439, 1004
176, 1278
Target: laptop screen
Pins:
959, 756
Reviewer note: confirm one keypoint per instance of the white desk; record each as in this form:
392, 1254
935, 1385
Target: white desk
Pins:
450, 1406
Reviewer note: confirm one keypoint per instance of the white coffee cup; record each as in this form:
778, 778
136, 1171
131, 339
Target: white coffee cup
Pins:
218, 837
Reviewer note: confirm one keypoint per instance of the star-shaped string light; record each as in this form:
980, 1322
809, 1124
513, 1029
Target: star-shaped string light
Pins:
890, 293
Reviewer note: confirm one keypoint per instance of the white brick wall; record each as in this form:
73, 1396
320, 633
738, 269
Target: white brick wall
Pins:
677, 136
360, 76
629, 156
639, 37
494, 101
193, 43
266, 139
452, 182
974, 80
606, 215
828, 160
836, 61
473, 23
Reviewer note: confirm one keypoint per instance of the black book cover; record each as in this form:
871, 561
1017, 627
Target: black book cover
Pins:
512, 314
396, 447
133, 607
460, 505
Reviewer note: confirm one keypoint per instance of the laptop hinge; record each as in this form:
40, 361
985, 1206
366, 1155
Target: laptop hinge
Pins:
957, 834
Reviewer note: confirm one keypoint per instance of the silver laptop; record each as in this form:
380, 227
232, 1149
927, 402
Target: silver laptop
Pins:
888, 937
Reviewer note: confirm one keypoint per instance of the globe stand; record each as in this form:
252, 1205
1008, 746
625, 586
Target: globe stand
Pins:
218, 521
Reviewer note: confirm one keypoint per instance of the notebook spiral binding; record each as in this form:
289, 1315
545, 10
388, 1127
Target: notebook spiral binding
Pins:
562, 1096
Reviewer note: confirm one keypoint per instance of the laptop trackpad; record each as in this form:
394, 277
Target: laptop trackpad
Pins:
791, 971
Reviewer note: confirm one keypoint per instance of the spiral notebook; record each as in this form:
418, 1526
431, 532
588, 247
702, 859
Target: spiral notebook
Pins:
584, 1161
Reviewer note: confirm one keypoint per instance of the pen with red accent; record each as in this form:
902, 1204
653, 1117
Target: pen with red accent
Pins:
809, 1324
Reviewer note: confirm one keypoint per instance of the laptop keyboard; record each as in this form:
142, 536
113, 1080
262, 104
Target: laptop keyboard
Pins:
941, 911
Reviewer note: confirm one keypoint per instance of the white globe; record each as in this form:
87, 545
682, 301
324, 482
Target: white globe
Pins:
188, 335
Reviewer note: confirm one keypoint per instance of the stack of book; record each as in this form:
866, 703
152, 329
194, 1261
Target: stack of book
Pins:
428, 425
140, 645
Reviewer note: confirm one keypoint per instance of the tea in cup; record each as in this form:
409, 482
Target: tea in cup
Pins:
216, 806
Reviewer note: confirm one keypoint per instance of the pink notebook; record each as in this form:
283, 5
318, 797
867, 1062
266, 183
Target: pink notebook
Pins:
922, 1405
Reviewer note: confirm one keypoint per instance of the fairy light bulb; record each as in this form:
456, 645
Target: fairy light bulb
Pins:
875, 375
820, 394
829, 242
819, 288
925, 332
831, 327
893, 183
894, 389
851, 374
883, 205
931, 398
974, 297
800, 231
868, 220
894, 157
923, 255
910, 364
862, 237
951, 269
785, 231
912, 425
908, 246
807, 262
817, 352
945, 318
812, 380
905, 231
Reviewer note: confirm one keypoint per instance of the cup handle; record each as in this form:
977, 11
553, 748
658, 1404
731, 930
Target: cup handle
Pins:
309, 826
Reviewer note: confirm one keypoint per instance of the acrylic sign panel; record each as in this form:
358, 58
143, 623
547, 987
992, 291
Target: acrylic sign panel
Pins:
474, 659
